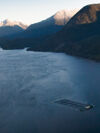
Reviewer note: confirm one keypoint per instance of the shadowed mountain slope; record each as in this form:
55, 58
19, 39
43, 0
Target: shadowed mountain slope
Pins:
48, 26
38, 32
79, 37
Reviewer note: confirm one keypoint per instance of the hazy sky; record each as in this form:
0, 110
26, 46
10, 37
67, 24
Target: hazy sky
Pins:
30, 11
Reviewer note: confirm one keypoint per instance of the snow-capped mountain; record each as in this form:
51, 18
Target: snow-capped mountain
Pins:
63, 16
50, 25
36, 32
79, 37
12, 23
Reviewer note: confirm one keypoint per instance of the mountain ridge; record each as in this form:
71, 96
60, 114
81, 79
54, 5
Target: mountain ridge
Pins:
7, 22
52, 24
86, 15
39, 32
78, 35
46, 27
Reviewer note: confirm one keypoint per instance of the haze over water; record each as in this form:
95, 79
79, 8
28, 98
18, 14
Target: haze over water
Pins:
30, 82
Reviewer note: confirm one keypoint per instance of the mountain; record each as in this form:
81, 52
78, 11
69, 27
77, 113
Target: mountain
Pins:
9, 28
38, 32
86, 15
79, 37
62, 17
51, 25
12, 23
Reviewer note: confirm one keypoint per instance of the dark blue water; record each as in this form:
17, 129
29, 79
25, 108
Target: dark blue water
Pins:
30, 82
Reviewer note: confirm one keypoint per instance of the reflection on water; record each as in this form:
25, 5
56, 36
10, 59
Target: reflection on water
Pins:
30, 82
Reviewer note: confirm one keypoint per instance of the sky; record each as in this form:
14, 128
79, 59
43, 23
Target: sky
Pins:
31, 11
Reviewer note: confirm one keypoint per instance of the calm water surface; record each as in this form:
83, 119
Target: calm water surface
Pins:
30, 82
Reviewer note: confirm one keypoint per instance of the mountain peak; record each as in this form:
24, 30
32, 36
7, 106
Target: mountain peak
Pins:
63, 16
59, 19
7, 22
86, 15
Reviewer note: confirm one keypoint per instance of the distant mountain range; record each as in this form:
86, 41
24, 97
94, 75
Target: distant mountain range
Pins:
48, 26
79, 37
8, 28
7, 22
37, 32
75, 34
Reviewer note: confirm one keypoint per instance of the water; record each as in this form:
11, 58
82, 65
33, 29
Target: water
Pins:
30, 82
